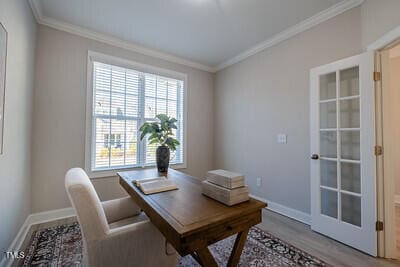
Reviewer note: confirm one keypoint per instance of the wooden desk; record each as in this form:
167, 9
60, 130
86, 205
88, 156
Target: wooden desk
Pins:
191, 221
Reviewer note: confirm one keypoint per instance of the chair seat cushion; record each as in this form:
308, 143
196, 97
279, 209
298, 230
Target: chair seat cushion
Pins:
130, 220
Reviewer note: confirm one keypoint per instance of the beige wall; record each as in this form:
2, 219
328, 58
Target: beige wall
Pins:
59, 115
391, 120
268, 94
15, 181
378, 17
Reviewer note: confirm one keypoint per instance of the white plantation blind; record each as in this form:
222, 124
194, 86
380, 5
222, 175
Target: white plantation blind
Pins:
123, 99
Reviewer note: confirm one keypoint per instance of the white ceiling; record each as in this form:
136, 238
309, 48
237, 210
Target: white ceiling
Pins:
208, 32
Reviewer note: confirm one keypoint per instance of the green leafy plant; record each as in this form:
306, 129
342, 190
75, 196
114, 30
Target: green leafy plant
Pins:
160, 131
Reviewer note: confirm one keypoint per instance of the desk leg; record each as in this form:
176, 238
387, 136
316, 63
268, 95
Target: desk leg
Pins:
237, 248
205, 258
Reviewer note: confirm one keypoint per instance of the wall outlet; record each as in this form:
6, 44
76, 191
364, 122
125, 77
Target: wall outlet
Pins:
282, 138
258, 182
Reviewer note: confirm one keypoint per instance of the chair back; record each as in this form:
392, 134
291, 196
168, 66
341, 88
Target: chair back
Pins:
87, 205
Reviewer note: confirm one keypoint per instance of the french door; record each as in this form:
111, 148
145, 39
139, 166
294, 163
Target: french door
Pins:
343, 204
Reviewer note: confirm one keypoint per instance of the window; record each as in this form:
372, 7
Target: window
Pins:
115, 140
122, 100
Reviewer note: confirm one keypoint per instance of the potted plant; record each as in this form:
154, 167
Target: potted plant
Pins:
160, 132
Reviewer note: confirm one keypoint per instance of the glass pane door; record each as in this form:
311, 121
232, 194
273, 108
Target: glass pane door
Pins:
349, 136
339, 139
342, 140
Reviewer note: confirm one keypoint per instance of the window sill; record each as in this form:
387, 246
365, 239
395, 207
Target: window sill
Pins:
113, 173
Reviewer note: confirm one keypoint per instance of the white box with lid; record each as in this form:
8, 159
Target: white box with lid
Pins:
225, 178
227, 196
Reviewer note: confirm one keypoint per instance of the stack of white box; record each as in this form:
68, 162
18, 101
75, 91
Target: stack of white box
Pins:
226, 187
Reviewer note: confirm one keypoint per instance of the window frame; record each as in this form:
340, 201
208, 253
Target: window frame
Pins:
124, 63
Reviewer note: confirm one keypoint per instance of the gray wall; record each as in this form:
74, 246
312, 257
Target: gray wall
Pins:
268, 94
15, 190
378, 17
59, 115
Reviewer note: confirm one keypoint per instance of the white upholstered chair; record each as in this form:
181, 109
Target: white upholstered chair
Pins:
115, 232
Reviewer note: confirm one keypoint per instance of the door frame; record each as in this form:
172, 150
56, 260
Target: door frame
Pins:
384, 186
385, 181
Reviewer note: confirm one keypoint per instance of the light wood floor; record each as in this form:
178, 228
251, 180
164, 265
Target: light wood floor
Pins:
299, 235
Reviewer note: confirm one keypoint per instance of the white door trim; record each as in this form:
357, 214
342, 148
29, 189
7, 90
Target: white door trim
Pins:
385, 191
386, 176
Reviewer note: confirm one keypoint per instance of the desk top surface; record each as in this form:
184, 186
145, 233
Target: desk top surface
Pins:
186, 210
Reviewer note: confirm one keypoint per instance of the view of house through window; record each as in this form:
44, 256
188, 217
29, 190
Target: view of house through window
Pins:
123, 99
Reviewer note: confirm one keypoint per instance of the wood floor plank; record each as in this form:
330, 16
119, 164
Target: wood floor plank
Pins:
332, 252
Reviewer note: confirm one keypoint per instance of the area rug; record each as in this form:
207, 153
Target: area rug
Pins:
62, 246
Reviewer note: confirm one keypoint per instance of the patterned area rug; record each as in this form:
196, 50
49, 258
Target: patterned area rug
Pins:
62, 246
55, 246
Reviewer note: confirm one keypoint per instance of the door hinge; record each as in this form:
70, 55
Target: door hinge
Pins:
379, 226
377, 76
378, 150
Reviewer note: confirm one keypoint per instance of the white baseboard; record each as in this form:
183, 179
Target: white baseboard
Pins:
286, 211
16, 243
32, 219
46, 216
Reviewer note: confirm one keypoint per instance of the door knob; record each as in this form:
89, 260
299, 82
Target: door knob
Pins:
315, 156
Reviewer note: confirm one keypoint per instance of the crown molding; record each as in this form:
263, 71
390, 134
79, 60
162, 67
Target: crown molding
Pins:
36, 9
107, 39
322, 16
386, 40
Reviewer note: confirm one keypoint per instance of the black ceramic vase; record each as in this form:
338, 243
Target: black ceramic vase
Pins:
162, 155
